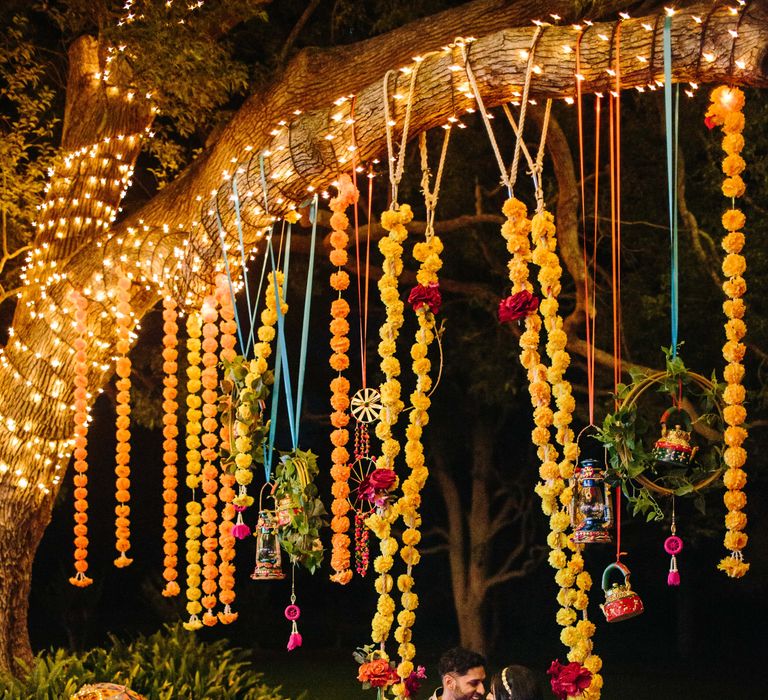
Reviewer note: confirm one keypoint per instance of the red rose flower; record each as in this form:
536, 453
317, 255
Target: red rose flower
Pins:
569, 680
377, 673
375, 486
517, 306
426, 296
710, 122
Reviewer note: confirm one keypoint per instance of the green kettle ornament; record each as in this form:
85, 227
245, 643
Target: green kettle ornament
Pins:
674, 447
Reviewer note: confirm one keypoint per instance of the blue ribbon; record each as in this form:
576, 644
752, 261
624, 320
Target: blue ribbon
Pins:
282, 368
672, 124
229, 276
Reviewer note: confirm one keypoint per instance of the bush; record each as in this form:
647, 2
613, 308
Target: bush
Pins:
171, 664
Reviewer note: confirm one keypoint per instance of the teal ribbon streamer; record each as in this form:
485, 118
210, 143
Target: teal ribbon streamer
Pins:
239, 224
281, 359
672, 128
229, 277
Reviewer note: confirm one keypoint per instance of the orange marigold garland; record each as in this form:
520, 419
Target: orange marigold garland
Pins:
725, 110
170, 452
209, 453
81, 444
228, 327
194, 428
340, 556
123, 422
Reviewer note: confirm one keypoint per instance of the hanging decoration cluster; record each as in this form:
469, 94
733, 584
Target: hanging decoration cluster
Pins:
170, 451
725, 111
340, 555
573, 581
81, 444
123, 422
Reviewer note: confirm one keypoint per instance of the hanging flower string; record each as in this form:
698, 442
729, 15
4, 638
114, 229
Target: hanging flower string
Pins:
725, 111
170, 452
194, 428
574, 582
340, 555
228, 328
81, 443
575, 635
249, 406
380, 522
123, 422
210, 382
425, 299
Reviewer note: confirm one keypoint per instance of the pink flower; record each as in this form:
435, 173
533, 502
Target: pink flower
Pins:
517, 306
240, 531
569, 680
413, 682
376, 485
426, 296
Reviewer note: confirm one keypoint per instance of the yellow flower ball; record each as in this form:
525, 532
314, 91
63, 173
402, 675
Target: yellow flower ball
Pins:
733, 186
565, 617
736, 520
735, 541
733, 220
735, 500
565, 578
735, 479
383, 583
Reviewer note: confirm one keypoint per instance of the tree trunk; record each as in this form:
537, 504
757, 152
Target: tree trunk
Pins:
22, 523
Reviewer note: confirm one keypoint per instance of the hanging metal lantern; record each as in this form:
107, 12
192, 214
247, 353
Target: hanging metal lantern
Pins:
591, 508
674, 448
268, 556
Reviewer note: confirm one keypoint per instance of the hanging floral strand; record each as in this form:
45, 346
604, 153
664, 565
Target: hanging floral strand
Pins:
249, 405
194, 429
228, 328
209, 453
170, 452
380, 522
122, 457
340, 556
425, 299
725, 111
81, 443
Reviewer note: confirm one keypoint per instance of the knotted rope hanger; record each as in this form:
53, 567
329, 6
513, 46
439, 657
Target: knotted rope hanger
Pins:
430, 196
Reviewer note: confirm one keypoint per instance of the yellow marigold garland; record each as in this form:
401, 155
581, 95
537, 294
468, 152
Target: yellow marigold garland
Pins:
210, 381
242, 445
170, 451
340, 555
123, 449
380, 523
428, 254
228, 328
81, 444
194, 428
573, 581
725, 110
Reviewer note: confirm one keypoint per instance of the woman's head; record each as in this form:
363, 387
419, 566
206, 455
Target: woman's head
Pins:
515, 683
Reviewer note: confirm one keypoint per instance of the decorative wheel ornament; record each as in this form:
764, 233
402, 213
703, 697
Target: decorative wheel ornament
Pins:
358, 472
366, 405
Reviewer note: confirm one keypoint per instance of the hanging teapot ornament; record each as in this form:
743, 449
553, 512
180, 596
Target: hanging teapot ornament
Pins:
674, 447
621, 602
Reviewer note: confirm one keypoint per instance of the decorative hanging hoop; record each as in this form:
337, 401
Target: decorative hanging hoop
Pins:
358, 471
631, 399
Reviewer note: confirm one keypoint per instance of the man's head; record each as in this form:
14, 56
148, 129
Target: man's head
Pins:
463, 674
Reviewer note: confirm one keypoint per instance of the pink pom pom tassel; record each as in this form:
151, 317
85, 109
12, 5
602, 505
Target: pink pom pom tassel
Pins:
673, 577
294, 641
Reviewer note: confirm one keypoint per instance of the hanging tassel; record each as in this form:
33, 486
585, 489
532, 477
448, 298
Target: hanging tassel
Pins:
240, 529
292, 613
673, 577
